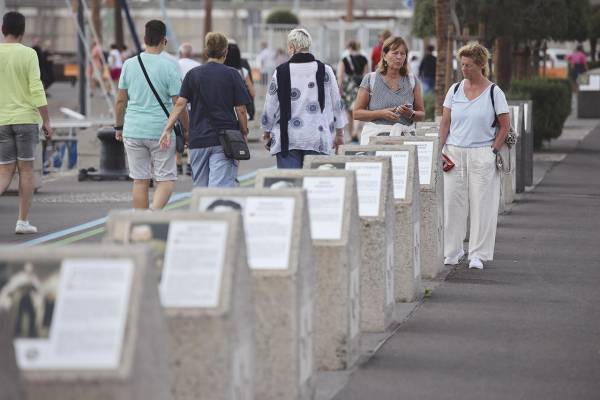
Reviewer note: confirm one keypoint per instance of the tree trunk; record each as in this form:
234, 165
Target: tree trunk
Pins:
118, 17
208, 5
593, 43
535, 58
96, 21
503, 62
442, 22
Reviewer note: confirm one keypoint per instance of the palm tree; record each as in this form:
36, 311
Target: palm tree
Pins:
443, 24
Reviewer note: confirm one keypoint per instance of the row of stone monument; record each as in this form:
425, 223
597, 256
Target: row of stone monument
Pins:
246, 295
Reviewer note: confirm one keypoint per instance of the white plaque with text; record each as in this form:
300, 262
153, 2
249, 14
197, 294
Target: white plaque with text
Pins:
326, 205
193, 266
368, 183
89, 318
268, 225
400, 171
425, 153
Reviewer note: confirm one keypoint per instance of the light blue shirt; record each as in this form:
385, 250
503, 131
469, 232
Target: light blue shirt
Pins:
144, 117
471, 120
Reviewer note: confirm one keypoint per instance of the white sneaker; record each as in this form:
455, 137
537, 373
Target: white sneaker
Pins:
24, 227
476, 263
454, 260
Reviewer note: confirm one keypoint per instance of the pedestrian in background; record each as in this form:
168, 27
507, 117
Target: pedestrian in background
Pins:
218, 96
186, 64
470, 139
23, 106
303, 111
377, 50
351, 70
427, 70
390, 98
140, 118
577, 65
266, 60
185, 60
115, 62
234, 60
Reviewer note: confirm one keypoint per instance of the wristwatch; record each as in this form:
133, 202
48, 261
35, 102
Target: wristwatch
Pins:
494, 150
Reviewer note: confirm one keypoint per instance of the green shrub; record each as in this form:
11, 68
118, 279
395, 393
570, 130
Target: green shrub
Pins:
593, 64
429, 100
551, 105
282, 16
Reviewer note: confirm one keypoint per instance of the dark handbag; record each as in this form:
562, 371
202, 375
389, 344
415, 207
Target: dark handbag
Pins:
233, 143
178, 128
231, 140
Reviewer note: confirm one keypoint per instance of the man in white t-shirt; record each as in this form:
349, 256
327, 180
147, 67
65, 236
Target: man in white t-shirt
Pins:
266, 58
186, 63
115, 62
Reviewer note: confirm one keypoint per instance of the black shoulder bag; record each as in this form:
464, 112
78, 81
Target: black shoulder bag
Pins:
231, 140
179, 139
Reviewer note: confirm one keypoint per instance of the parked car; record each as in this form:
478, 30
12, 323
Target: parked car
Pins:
556, 63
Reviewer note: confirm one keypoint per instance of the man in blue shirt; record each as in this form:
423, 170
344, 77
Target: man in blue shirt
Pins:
140, 118
218, 96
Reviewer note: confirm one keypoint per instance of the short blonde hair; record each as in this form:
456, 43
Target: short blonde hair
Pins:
478, 53
299, 39
215, 45
392, 43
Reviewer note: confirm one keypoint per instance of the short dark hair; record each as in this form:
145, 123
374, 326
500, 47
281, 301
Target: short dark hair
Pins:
155, 32
13, 23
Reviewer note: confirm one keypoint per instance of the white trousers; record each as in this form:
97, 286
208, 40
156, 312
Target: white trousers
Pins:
472, 188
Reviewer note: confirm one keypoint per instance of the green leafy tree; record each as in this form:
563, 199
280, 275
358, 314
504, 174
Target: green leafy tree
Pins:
423, 22
594, 30
282, 16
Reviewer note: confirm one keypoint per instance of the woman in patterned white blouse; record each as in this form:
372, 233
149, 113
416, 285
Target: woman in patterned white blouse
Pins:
303, 111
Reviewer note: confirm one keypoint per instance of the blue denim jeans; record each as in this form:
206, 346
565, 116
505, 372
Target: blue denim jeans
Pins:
293, 158
211, 168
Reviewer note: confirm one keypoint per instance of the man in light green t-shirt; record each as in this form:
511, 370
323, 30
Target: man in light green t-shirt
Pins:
22, 102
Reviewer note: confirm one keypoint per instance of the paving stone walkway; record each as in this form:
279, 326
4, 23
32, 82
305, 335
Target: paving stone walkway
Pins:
527, 326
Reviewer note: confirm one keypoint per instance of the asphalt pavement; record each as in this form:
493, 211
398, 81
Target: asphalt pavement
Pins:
528, 325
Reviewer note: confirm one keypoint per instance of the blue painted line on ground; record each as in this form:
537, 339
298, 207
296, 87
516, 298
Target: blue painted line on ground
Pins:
100, 221
91, 224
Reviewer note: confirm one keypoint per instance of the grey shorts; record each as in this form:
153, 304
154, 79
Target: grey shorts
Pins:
146, 160
18, 142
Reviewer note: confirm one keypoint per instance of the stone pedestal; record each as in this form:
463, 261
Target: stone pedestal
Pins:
10, 378
280, 256
432, 200
335, 231
376, 210
65, 361
407, 212
206, 297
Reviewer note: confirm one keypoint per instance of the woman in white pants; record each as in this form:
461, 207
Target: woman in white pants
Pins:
471, 140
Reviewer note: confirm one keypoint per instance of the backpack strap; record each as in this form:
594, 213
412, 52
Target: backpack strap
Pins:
456, 86
493, 105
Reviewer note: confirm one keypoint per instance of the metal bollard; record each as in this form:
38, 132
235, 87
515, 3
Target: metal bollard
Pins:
112, 159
